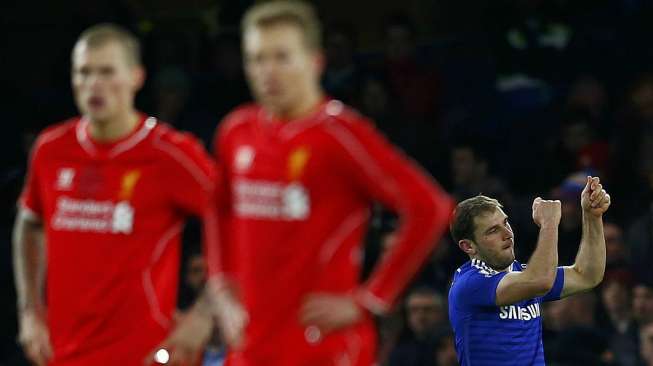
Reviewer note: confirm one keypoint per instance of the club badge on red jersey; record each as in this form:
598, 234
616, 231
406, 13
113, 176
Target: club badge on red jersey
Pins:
297, 161
128, 183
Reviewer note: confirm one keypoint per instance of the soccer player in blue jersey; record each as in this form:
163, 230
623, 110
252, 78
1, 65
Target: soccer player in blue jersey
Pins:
494, 301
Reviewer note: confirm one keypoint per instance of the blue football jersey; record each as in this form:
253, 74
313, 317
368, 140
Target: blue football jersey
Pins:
492, 335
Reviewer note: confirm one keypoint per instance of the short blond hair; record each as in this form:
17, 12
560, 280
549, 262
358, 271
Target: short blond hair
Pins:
294, 12
101, 34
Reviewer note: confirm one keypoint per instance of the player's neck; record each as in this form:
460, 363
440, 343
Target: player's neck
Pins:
302, 108
113, 129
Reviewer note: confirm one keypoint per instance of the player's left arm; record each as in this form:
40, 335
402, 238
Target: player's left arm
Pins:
191, 178
384, 174
589, 267
423, 208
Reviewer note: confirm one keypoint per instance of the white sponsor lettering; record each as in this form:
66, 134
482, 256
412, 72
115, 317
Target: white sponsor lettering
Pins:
255, 210
271, 200
84, 207
63, 223
93, 216
257, 189
517, 312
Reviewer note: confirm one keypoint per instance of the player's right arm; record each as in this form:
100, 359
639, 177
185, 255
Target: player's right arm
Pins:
29, 268
191, 167
540, 275
221, 291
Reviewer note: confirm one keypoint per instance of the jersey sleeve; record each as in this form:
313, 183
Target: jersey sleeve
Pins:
384, 174
479, 289
191, 179
30, 200
558, 284
223, 266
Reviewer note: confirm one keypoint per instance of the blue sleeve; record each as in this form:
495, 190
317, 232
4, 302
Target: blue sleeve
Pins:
479, 290
556, 290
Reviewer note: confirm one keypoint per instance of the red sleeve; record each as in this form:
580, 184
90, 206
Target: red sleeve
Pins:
224, 265
424, 209
192, 178
191, 175
30, 199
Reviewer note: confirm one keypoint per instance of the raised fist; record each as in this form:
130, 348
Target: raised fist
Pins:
546, 213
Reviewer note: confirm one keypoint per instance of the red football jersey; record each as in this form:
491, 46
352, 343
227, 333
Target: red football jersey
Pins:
294, 218
112, 215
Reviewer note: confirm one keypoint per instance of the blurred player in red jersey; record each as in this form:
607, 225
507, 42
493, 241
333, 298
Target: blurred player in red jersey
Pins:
301, 172
100, 217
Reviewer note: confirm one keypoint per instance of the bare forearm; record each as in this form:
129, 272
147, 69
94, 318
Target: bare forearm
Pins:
544, 261
538, 277
29, 264
590, 260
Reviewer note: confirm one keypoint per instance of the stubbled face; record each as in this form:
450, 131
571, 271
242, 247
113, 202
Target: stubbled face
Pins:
494, 240
103, 80
280, 67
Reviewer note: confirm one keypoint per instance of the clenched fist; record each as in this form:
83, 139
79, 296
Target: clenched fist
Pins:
546, 213
34, 337
594, 199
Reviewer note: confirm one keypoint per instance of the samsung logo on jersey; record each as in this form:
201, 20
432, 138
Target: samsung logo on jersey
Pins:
517, 312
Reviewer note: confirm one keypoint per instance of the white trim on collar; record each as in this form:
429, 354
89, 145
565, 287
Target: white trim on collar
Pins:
88, 145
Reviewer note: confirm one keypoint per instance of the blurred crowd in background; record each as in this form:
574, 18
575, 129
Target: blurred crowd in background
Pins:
510, 98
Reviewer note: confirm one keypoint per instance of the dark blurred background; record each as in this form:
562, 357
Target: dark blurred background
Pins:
510, 98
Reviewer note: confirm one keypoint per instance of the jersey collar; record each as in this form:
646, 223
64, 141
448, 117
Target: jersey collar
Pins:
113, 149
